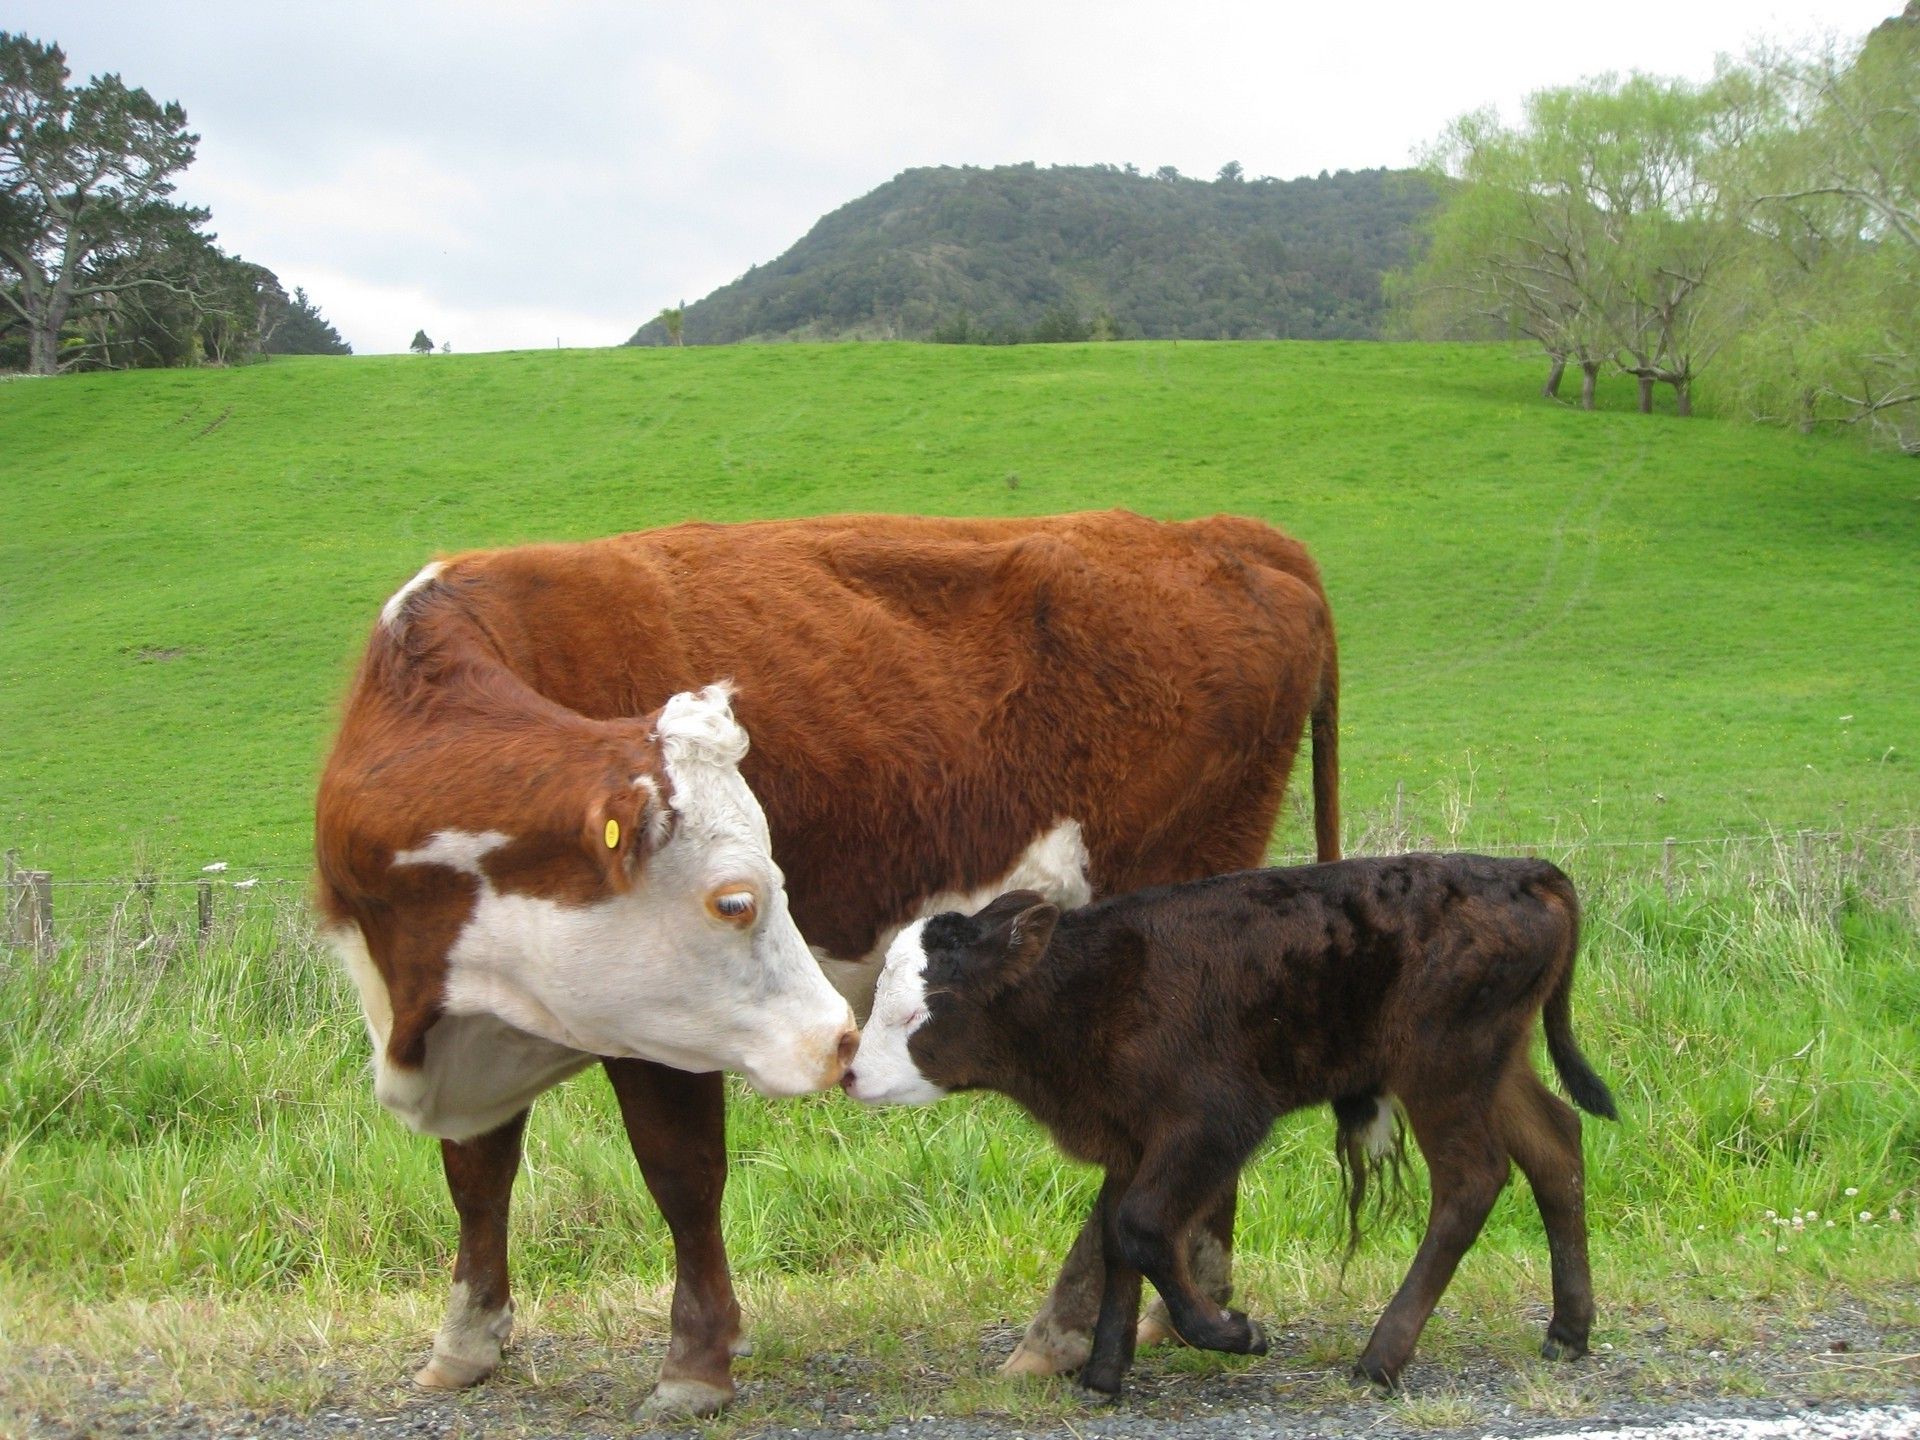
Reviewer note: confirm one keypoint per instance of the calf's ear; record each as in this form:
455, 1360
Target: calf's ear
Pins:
624, 825
1017, 928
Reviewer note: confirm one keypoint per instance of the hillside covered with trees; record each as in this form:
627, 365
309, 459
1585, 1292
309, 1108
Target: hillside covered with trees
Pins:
1017, 252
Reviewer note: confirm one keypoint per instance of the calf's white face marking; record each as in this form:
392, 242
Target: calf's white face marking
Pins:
535, 988
883, 1072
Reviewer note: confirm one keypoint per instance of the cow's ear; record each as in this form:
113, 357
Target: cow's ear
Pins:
625, 825
1018, 927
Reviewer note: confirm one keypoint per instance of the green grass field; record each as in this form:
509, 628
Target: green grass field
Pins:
1585, 632
1600, 625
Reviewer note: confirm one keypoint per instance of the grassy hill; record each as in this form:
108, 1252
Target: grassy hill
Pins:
1553, 624
1014, 252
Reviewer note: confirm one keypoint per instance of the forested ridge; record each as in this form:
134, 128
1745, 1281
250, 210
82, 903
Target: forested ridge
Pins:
1018, 252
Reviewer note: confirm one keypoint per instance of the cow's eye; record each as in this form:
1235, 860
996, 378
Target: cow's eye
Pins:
734, 905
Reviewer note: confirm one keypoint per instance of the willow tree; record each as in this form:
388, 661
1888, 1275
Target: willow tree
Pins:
1595, 226
1834, 334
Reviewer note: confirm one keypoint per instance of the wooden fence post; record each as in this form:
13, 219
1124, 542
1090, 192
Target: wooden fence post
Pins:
1666, 866
29, 908
206, 910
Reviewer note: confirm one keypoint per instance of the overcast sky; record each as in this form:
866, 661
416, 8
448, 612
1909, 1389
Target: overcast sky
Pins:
515, 175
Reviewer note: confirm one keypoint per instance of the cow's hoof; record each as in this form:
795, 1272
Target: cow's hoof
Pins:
1054, 1352
1102, 1387
684, 1399
450, 1372
1256, 1336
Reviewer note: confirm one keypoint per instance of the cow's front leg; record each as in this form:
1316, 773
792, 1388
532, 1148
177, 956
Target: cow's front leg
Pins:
480, 1174
677, 1123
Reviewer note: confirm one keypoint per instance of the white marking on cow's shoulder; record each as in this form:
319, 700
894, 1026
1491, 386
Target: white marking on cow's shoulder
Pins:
883, 1069
1054, 863
461, 850
394, 613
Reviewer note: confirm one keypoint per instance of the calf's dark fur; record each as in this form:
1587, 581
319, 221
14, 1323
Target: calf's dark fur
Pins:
1160, 1034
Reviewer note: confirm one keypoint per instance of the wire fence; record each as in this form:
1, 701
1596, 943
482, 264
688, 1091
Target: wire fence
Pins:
43, 907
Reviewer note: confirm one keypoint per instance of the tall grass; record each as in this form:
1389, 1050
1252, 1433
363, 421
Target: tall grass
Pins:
179, 1118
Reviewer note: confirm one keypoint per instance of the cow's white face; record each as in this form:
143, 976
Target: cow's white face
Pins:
883, 1071
698, 965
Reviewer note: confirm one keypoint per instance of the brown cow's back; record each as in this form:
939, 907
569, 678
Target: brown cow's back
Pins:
1149, 680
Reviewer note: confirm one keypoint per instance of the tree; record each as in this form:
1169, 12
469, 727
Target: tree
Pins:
1835, 334
674, 318
84, 176
1230, 173
1597, 227
421, 345
298, 328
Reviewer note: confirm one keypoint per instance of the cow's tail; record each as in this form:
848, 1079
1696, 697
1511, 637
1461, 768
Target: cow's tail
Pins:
1588, 1090
1326, 757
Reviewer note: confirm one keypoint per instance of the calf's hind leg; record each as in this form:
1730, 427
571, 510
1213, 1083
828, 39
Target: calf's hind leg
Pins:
1466, 1166
1543, 1134
480, 1175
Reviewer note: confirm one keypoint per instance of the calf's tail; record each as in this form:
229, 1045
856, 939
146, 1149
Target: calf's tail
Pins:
1588, 1090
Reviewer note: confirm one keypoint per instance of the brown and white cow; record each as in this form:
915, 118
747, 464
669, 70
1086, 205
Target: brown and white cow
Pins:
543, 839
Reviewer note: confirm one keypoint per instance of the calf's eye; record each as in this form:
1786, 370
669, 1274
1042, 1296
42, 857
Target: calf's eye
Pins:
735, 906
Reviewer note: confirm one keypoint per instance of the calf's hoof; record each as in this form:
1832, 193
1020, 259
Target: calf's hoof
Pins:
1563, 1343
1374, 1372
682, 1399
1256, 1336
1102, 1382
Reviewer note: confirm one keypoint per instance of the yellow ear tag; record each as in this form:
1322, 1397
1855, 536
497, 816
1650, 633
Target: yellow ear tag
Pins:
613, 834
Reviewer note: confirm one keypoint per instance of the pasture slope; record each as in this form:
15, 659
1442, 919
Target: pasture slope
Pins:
1596, 629
1596, 624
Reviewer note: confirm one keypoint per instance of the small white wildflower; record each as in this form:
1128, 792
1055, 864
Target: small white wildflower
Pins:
1813, 1214
1866, 1214
246, 884
1853, 1189
1798, 1223
1894, 1214
1829, 1224
1769, 1213
1781, 1220
219, 865
1699, 1227
1779, 1249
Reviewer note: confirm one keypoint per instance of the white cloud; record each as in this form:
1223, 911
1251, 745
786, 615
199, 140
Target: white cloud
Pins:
510, 172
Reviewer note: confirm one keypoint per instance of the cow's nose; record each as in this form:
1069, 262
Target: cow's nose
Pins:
849, 1043
847, 1080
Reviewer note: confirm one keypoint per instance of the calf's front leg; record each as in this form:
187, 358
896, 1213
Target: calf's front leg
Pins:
1151, 1227
1113, 1330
